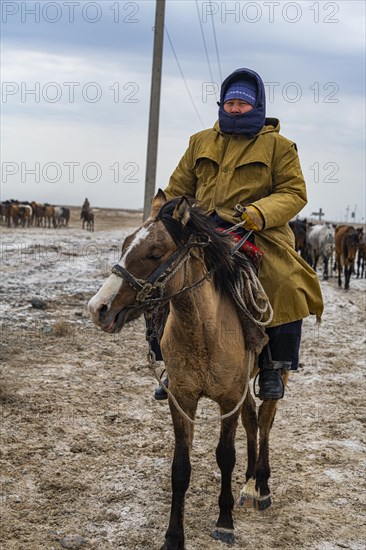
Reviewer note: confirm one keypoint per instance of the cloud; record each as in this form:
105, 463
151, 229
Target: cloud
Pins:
91, 90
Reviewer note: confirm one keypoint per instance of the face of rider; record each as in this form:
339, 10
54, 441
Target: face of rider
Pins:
237, 107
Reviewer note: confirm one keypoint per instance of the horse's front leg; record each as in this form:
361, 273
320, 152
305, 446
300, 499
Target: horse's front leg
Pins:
339, 265
226, 457
347, 276
181, 471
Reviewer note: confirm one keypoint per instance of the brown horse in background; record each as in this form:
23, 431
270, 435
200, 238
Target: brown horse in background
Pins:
38, 213
346, 246
177, 256
361, 255
299, 229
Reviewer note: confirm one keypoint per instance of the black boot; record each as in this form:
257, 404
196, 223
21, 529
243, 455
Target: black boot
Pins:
271, 385
270, 381
160, 393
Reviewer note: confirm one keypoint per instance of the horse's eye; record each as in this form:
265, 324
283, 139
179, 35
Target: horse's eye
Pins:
154, 257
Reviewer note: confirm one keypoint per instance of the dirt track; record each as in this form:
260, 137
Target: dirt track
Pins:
86, 450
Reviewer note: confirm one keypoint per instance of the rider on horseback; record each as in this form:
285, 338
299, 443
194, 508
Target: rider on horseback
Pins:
244, 159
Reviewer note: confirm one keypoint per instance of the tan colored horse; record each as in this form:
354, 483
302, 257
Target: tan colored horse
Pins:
178, 256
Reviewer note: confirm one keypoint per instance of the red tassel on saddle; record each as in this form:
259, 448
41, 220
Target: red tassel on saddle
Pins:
249, 249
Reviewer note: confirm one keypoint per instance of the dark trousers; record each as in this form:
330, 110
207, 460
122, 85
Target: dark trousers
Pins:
284, 343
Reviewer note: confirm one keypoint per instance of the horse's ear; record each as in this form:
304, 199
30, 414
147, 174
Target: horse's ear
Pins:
182, 212
157, 203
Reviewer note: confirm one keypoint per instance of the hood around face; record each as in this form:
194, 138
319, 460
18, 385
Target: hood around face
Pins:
250, 123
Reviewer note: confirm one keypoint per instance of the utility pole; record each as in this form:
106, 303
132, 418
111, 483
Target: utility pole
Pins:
353, 213
153, 134
320, 214
347, 212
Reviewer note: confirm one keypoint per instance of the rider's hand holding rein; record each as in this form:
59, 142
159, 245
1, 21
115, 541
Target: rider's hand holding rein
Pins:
253, 218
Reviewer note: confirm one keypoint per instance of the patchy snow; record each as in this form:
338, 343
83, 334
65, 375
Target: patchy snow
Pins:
86, 450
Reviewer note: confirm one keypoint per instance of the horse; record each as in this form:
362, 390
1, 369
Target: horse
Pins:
13, 214
88, 217
299, 229
49, 215
361, 255
320, 242
346, 245
61, 217
38, 213
178, 257
25, 214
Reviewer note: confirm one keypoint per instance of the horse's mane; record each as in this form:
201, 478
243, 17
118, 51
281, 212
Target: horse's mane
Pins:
226, 268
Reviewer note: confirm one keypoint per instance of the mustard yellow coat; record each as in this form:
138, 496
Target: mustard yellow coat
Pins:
222, 170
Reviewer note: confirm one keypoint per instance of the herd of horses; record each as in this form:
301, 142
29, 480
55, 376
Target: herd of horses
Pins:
26, 214
342, 246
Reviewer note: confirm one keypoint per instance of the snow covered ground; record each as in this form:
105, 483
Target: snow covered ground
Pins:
86, 450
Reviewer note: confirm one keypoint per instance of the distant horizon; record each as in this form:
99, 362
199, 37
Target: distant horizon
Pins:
311, 219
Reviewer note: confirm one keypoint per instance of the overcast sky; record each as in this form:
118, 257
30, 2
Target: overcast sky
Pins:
76, 80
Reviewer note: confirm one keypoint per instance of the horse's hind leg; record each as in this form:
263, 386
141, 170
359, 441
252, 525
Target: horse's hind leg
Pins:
266, 416
181, 472
250, 423
260, 493
225, 456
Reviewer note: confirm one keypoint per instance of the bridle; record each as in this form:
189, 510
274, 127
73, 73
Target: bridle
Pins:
157, 281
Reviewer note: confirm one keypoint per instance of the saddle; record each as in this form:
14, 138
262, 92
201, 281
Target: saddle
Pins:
254, 334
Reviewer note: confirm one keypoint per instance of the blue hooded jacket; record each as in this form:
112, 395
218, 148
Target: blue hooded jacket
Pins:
250, 123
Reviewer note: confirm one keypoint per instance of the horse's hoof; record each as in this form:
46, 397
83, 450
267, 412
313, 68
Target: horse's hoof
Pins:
246, 501
173, 543
225, 535
169, 546
259, 504
250, 497
262, 504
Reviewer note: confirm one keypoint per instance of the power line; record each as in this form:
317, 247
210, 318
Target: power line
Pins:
214, 33
184, 80
204, 42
